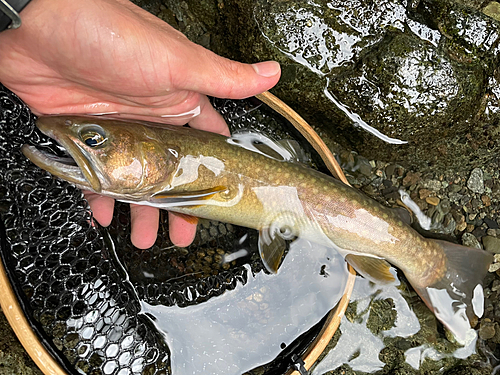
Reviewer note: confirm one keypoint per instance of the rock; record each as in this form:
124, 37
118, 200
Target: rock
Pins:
454, 188
475, 181
486, 200
492, 244
468, 239
411, 178
424, 193
492, 224
486, 329
434, 201
492, 10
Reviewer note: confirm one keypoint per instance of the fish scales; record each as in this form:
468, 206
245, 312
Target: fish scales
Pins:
344, 215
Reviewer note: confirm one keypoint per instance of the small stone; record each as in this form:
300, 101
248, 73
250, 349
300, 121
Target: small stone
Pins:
491, 232
434, 201
494, 267
454, 188
390, 169
411, 178
475, 181
486, 200
468, 239
491, 244
433, 185
445, 206
424, 193
460, 219
366, 169
476, 203
486, 330
470, 228
491, 223
492, 10
495, 286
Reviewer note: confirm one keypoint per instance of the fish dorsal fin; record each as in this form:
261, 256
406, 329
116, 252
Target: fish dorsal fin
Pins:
297, 153
271, 248
186, 198
282, 150
374, 269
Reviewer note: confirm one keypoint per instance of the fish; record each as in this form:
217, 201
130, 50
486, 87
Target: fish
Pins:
252, 183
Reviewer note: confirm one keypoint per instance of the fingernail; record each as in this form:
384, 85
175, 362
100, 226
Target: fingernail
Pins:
266, 68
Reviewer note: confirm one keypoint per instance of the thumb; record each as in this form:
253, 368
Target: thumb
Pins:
200, 70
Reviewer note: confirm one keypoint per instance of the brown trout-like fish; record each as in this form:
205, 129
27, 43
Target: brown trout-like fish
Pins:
211, 176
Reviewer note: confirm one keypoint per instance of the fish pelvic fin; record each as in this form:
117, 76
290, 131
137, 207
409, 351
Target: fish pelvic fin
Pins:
190, 198
458, 294
374, 269
272, 246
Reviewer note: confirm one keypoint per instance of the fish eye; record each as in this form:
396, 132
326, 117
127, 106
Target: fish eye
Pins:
93, 136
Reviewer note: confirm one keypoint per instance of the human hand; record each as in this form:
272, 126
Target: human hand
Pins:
112, 57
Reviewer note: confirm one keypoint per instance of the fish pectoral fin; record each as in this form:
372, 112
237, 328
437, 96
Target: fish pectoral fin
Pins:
271, 249
187, 218
374, 269
187, 197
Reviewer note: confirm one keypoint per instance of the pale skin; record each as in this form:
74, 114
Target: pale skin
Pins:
110, 56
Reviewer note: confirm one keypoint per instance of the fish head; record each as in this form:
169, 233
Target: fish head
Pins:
107, 155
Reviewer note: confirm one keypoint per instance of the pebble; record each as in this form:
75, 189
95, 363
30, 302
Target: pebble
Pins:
454, 188
495, 266
411, 178
486, 200
476, 181
434, 185
468, 239
424, 193
434, 201
491, 244
486, 330
491, 223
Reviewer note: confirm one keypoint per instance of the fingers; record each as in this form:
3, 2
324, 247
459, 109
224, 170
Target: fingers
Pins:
181, 231
209, 119
102, 207
144, 223
200, 70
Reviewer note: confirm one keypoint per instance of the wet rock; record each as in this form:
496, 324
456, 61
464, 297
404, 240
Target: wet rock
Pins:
468, 239
460, 220
411, 178
475, 181
492, 10
453, 188
491, 244
424, 193
492, 224
486, 200
434, 201
486, 329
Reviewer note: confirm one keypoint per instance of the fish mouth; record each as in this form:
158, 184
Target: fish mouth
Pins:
75, 168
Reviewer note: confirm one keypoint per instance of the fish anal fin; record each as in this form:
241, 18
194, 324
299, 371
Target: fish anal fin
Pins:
373, 269
169, 197
271, 249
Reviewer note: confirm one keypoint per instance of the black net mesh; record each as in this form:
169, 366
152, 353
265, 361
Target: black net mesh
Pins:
80, 286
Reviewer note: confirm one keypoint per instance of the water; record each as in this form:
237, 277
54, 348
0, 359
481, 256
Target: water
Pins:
249, 326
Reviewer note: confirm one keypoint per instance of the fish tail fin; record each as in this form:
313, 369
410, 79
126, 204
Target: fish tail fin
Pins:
458, 294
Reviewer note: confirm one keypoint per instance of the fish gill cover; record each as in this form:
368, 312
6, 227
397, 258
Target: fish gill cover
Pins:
81, 287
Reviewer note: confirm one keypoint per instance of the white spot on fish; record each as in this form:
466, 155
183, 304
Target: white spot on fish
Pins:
190, 165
